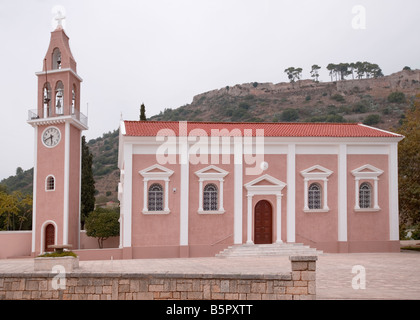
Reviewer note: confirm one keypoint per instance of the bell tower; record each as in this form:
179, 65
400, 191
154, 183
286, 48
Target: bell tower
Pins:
58, 125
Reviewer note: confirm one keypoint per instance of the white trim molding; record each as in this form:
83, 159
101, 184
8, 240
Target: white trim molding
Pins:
366, 172
163, 174
342, 193
274, 187
316, 172
215, 174
291, 192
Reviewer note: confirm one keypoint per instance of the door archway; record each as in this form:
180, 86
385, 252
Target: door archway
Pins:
263, 223
49, 237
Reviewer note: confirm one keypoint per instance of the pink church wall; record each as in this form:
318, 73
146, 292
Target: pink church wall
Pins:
154, 229
317, 228
368, 225
92, 243
211, 229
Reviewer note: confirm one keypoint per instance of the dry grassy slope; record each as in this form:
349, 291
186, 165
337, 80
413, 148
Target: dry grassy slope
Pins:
267, 101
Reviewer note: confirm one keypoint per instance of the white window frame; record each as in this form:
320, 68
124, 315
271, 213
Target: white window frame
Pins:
320, 174
162, 175
46, 183
203, 176
372, 173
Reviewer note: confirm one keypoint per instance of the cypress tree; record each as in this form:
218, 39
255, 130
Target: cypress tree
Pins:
143, 112
87, 185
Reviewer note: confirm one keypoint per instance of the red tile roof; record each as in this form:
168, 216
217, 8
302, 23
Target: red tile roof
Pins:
288, 129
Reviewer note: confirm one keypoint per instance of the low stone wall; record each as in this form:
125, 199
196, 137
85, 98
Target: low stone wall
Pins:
297, 284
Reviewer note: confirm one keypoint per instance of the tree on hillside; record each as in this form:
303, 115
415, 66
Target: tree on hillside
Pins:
88, 183
409, 166
315, 72
143, 112
367, 69
331, 67
293, 73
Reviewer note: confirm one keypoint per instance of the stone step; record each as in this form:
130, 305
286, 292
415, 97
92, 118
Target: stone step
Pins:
268, 250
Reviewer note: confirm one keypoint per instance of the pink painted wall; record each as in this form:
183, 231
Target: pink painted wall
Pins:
49, 204
211, 229
91, 243
15, 244
154, 229
368, 226
74, 186
315, 227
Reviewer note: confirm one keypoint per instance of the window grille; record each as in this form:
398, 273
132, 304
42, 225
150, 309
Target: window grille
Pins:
155, 202
365, 192
50, 183
314, 196
210, 197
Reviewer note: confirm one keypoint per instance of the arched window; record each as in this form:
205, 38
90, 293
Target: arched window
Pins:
210, 197
73, 99
365, 193
50, 183
314, 196
56, 59
47, 100
155, 202
59, 98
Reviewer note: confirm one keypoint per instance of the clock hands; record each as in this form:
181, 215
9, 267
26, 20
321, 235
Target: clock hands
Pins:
50, 137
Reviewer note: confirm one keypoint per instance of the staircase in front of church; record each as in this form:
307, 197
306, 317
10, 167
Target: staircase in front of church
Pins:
282, 249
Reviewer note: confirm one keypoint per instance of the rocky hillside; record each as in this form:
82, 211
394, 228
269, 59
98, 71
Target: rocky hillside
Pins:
364, 100
379, 102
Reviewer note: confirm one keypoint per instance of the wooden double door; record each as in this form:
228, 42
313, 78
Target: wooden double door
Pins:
263, 223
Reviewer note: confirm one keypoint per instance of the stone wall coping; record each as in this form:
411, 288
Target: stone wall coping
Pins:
303, 258
228, 276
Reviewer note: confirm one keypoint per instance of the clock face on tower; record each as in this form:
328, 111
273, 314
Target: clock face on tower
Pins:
51, 137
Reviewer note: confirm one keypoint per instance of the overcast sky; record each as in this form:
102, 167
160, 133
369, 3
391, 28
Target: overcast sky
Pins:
163, 53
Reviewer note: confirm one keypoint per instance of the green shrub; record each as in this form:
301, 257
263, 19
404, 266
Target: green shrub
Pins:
338, 97
415, 235
396, 97
360, 107
58, 254
289, 115
372, 119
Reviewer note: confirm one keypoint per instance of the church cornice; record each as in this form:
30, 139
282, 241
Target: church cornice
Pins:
42, 73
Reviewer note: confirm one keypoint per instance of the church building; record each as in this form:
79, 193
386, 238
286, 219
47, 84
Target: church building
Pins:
191, 189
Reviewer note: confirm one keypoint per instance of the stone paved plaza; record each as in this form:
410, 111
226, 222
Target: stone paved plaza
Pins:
387, 275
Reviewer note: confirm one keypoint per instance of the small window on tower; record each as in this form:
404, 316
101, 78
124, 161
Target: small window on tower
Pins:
56, 59
73, 100
47, 100
50, 183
